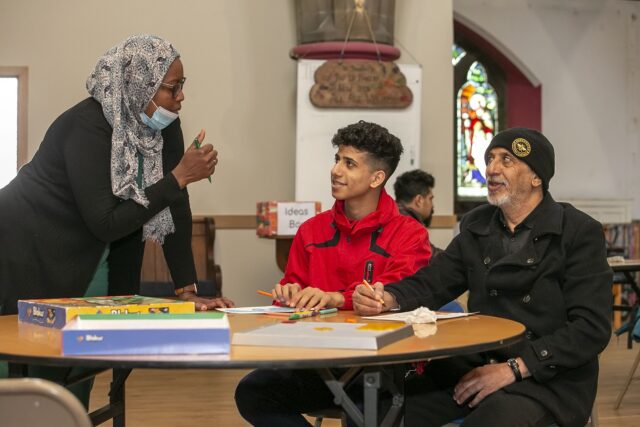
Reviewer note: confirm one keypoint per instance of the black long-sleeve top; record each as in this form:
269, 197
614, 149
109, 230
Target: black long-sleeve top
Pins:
59, 214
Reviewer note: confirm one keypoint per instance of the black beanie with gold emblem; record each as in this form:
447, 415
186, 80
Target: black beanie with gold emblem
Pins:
531, 147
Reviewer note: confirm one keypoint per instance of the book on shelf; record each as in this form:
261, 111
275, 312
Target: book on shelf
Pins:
365, 336
57, 312
146, 334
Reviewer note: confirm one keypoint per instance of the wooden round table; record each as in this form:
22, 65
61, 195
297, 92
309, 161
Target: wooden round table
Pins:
22, 343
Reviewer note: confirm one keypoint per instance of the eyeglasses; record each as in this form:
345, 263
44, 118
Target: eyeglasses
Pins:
175, 88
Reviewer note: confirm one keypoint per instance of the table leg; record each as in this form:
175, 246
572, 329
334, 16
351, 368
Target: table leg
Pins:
116, 408
372, 383
341, 398
116, 395
375, 378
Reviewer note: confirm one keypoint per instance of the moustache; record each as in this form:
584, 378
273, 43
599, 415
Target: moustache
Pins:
497, 181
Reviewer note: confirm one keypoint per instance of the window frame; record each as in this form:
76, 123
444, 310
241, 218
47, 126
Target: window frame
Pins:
22, 74
497, 79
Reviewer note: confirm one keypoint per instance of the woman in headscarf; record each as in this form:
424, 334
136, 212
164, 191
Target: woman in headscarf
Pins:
110, 173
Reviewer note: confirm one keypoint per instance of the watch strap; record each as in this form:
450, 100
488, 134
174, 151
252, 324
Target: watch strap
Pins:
515, 368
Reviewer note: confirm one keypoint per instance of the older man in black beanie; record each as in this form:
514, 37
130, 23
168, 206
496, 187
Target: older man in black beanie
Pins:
527, 258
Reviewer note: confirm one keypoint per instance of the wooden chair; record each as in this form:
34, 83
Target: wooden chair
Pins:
37, 402
156, 279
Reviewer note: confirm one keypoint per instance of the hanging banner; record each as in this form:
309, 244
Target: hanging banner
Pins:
360, 84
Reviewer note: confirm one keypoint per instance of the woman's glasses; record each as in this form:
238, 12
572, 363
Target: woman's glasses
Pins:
175, 88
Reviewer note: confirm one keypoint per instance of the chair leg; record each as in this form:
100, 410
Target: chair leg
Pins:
318, 422
629, 378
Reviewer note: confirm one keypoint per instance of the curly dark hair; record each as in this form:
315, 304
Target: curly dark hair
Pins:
410, 184
383, 147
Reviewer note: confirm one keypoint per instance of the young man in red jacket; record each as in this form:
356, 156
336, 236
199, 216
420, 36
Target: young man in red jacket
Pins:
362, 237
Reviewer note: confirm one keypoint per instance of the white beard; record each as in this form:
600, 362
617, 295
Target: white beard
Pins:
499, 200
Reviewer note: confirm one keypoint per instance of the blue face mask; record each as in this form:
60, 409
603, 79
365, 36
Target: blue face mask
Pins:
160, 119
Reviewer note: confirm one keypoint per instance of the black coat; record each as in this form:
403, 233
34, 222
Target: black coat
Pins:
558, 286
59, 213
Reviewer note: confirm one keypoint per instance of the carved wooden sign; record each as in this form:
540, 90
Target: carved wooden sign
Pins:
360, 84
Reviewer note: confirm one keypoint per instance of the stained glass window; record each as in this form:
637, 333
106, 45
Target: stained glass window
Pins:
477, 120
457, 54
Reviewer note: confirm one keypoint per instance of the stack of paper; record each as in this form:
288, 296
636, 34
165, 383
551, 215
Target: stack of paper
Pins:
197, 333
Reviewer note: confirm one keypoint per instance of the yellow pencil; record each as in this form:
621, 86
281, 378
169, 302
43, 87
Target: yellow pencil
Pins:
380, 300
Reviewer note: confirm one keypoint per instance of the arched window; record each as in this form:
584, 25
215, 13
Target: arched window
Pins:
477, 120
491, 93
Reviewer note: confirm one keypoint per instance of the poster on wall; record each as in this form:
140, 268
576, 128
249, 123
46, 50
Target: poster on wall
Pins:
316, 126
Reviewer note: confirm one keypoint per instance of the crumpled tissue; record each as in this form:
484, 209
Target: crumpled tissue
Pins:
421, 315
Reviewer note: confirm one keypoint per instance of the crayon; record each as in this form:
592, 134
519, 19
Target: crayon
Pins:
310, 313
264, 293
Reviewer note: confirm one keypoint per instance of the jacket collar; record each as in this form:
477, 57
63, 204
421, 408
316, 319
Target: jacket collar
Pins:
407, 211
385, 212
546, 218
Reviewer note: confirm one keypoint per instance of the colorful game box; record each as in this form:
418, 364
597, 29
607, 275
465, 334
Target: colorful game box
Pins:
56, 312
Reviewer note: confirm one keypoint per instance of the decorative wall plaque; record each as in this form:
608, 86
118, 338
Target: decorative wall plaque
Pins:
360, 84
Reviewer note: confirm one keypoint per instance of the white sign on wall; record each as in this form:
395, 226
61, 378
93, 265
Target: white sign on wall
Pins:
316, 126
292, 214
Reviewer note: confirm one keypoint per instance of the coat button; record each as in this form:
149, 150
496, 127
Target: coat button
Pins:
531, 260
528, 334
526, 299
544, 353
487, 261
493, 293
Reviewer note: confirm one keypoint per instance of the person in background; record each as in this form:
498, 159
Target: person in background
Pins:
110, 173
523, 257
414, 196
362, 237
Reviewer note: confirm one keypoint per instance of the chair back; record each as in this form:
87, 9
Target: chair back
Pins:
452, 307
155, 278
37, 402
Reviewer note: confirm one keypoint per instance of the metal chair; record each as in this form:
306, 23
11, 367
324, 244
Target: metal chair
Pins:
632, 327
32, 402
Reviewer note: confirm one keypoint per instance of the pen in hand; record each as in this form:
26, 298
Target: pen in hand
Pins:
380, 300
196, 141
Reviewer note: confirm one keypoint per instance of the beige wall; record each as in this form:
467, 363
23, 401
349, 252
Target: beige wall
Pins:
424, 31
240, 88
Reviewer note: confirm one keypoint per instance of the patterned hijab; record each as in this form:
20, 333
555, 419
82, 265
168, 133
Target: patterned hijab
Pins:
124, 81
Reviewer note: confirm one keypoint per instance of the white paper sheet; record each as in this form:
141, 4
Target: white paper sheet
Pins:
401, 317
263, 309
